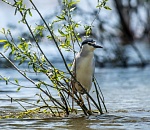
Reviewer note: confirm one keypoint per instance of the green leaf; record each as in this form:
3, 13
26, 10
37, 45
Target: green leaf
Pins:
6, 80
38, 84
16, 80
18, 89
61, 32
106, 7
74, 2
3, 40
13, 49
22, 60
6, 46
61, 17
43, 58
3, 30
38, 101
72, 9
69, 65
30, 12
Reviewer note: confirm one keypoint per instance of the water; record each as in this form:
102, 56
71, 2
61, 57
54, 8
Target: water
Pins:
127, 97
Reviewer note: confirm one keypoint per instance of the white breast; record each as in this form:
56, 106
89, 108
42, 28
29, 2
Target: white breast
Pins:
84, 72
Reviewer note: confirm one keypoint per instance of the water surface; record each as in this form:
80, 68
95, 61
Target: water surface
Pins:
127, 97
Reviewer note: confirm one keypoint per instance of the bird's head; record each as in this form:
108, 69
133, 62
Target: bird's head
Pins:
90, 44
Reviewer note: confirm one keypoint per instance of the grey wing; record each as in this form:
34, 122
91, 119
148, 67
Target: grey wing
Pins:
75, 63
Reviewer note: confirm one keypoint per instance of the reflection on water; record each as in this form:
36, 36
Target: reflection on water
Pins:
127, 97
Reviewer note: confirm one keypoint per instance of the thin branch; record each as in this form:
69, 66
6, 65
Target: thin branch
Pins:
17, 102
34, 36
17, 69
47, 104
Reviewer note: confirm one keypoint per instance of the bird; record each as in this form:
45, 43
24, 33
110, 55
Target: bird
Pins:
83, 67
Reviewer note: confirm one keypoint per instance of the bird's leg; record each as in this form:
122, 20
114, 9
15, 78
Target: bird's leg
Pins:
73, 89
87, 97
73, 98
81, 99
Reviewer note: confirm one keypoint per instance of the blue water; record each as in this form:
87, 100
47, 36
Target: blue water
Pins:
127, 97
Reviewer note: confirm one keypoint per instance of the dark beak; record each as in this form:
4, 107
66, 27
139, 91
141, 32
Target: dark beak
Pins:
97, 46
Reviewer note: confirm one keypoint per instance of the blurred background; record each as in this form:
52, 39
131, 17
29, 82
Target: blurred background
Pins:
124, 31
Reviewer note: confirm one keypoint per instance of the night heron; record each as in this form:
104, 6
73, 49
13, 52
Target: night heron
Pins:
83, 67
